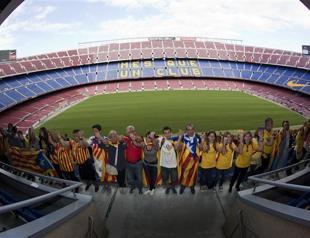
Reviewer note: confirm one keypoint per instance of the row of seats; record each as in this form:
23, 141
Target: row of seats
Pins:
21, 88
155, 49
34, 111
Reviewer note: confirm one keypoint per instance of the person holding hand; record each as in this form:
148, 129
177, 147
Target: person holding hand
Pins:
247, 146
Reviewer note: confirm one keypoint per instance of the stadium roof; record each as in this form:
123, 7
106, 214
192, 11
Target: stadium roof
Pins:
7, 7
306, 3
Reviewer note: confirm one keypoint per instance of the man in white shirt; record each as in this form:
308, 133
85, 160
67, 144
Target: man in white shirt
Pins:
168, 160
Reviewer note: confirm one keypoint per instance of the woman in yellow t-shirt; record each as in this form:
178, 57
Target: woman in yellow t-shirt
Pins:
246, 148
208, 147
225, 158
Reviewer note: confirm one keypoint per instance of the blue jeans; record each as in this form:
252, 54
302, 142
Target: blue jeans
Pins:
208, 177
222, 174
151, 174
169, 172
134, 174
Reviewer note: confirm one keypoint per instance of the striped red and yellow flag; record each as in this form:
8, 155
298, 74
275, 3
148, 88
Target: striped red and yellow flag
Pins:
31, 160
187, 167
100, 155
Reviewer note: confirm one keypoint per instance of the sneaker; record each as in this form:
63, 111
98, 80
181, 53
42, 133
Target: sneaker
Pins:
182, 189
203, 188
131, 190
221, 188
174, 190
147, 192
193, 190
237, 189
140, 191
152, 192
167, 190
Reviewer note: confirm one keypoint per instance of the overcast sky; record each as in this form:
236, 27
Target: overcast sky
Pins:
40, 26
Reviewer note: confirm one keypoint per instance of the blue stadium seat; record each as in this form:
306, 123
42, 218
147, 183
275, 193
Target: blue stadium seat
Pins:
26, 92
44, 86
5, 100
71, 80
81, 78
35, 89
53, 84
62, 82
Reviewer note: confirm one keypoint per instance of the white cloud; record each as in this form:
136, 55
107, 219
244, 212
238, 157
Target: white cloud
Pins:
215, 18
43, 12
142, 18
31, 17
132, 4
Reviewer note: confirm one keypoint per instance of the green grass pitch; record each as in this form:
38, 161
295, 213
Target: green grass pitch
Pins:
208, 110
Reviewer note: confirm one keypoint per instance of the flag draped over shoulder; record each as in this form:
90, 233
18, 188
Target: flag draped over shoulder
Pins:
101, 159
31, 160
188, 166
146, 179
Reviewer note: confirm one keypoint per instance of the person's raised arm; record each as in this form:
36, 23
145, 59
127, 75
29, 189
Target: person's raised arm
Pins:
138, 141
63, 142
178, 145
203, 145
84, 143
239, 148
51, 141
260, 141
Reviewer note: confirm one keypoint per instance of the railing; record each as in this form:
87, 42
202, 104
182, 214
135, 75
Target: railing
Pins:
143, 39
259, 178
31, 201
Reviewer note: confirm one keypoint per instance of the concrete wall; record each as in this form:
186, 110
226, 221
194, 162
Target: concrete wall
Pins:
77, 226
258, 223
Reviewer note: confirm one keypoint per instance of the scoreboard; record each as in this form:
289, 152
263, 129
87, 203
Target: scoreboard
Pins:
7, 55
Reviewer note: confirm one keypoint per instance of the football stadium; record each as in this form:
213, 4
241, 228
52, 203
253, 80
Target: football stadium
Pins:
168, 136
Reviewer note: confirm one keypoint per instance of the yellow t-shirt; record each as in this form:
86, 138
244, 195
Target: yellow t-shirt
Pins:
256, 157
224, 161
209, 158
244, 159
267, 136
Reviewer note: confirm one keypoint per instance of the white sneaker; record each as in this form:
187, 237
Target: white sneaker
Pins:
147, 192
152, 192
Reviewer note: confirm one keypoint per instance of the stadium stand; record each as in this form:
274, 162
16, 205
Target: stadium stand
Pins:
14, 90
58, 79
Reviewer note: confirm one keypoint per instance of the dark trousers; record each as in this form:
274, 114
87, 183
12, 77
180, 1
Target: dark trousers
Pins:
58, 171
264, 165
208, 177
151, 174
222, 174
239, 175
70, 176
171, 173
87, 171
121, 174
134, 174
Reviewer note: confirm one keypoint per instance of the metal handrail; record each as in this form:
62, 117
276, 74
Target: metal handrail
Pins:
38, 175
258, 178
32, 201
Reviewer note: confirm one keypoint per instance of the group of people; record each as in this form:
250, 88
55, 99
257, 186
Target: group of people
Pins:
170, 159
